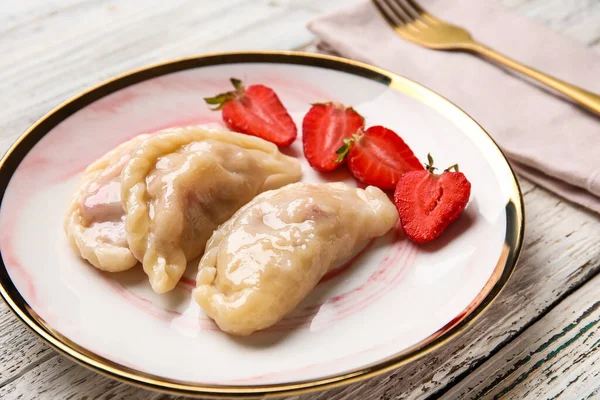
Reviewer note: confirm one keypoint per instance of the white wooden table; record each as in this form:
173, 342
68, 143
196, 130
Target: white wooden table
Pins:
540, 339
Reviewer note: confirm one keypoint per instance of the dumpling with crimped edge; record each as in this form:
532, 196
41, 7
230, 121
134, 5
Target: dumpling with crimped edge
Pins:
181, 184
262, 262
95, 220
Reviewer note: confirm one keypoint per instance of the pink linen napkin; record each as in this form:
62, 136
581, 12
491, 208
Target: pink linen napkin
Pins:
548, 140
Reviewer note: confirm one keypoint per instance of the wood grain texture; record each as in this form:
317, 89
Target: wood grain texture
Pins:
51, 59
61, 378
17, 13
52, 49
557, 358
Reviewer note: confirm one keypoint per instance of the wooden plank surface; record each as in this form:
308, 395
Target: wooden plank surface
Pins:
558, 357
54, 48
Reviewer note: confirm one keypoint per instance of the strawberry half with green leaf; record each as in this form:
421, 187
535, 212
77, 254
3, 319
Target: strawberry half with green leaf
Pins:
255, 110
428, 203
378, 157
323, 130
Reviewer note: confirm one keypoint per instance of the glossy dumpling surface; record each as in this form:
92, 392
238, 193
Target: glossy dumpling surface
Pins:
95, 220
181, 184
262, 262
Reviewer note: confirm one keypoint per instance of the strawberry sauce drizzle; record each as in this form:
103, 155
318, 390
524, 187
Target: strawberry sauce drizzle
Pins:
14, 266
186, 284
359, 298
346, 266
148, 307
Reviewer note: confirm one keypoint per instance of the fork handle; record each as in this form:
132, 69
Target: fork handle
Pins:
587, 99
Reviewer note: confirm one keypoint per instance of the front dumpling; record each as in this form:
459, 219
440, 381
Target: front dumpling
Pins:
183, 183
262, 262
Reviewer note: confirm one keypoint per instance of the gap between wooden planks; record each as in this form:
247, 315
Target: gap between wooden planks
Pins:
558, 357
45, 63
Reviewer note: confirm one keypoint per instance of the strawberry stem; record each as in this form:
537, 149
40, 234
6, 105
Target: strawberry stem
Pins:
342, 152
221, 99
429, 166
237, 84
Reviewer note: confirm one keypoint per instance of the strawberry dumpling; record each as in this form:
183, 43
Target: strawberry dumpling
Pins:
95, 220
262, 262
181, 184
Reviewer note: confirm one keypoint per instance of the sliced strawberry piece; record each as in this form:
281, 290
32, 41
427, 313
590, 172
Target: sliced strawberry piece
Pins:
428, 203
323, 130
378, 157
256, 111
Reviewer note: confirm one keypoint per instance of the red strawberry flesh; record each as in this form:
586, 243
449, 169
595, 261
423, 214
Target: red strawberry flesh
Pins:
429, 203
380, 157
256, 111
323, 129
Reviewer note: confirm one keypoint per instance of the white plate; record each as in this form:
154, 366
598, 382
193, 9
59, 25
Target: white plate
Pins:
394, 303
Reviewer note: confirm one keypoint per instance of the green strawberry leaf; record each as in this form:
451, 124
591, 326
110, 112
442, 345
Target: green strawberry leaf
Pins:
237, 84
219, 100
342, 152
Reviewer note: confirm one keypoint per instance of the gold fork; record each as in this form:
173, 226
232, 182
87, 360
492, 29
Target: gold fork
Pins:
413, 23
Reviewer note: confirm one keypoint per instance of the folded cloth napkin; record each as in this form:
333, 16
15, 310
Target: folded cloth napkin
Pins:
549, 140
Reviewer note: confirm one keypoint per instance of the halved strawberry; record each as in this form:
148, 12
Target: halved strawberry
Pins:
428, 203
378, 157
323, 129
256, 111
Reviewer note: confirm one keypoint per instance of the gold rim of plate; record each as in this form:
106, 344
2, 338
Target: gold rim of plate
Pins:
513, 241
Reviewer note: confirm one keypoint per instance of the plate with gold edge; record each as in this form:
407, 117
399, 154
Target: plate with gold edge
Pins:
389, 303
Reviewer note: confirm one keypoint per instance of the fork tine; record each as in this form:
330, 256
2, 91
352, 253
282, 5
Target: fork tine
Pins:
424, 15
413, 13
396, 7
408, 9
393, 18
